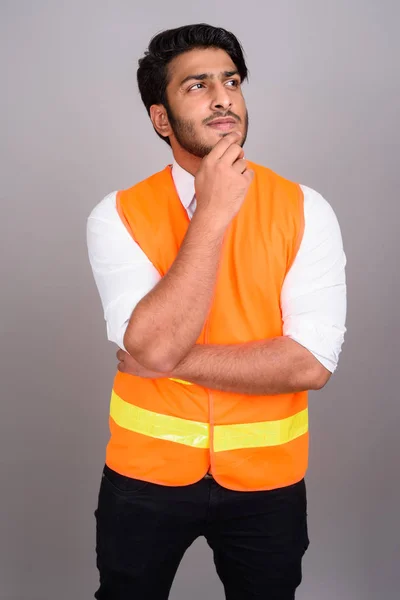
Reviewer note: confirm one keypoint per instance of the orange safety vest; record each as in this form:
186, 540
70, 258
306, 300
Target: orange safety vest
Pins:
167, 432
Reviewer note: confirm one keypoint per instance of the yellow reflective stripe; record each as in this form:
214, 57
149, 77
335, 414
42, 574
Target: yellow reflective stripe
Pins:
260, 435
180, 381
196, 434
156, 425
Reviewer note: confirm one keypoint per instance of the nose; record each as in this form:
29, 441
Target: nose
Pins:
221, 99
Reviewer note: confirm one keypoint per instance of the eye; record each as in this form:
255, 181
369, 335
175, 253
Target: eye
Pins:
235, 82
194, 86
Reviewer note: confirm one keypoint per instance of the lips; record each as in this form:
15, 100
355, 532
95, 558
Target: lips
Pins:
223, 122
223, 125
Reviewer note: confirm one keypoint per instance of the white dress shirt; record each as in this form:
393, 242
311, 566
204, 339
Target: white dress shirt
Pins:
313, 296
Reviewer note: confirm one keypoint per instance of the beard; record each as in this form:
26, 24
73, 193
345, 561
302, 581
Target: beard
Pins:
185, 133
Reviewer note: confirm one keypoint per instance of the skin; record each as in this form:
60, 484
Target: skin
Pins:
196, 102
168, 320
177, 307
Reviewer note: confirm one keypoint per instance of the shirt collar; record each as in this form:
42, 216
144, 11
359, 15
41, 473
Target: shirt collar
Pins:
184, 183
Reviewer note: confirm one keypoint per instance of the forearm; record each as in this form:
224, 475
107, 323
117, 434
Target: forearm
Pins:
167, 322
267, 367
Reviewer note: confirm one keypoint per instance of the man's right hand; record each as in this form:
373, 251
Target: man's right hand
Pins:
167, 322
222, 181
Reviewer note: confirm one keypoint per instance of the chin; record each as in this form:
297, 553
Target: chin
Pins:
218, 135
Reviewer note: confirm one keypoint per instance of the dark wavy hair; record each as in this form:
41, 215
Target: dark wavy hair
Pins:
152, 74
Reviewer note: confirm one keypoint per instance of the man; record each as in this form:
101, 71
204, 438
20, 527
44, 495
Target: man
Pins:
223, 285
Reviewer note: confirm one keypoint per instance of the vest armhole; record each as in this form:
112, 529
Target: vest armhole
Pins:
301, 226
122, 216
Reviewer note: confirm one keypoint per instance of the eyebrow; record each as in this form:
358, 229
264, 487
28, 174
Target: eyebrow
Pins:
203, 76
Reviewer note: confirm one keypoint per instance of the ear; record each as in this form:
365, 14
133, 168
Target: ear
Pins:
159, 118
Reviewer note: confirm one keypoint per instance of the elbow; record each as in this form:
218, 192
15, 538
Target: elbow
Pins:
152, 350
319, 377
151, 355
158, 361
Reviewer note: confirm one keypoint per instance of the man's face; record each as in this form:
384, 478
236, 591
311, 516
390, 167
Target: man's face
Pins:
205, 100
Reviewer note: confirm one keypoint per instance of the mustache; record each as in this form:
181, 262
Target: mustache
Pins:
220, 115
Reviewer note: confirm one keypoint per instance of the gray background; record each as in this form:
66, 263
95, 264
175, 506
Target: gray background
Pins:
323, 100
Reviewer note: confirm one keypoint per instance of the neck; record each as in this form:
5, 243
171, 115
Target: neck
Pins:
187, 161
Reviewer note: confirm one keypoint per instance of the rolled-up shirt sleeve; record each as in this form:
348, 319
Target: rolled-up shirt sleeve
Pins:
313, 296
122, 271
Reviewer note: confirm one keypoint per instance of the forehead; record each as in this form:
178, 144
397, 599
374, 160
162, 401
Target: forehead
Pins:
207, 60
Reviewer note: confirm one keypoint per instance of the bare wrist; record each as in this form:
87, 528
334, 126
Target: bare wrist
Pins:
210, 223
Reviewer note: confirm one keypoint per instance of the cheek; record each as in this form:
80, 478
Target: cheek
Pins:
242, 109
198, 109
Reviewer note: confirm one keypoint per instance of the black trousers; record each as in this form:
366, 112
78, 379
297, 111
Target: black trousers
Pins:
143, 530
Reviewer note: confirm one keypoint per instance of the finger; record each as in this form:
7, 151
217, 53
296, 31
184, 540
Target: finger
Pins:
240, 166
249, 174
223, 144
120, 354
232, 154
